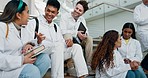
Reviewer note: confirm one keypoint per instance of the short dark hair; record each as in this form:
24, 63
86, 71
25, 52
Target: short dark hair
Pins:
53, 3
84, 4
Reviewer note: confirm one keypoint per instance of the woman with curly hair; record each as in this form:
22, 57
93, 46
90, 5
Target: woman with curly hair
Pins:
107, 61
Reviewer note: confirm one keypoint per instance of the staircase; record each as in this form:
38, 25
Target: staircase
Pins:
95, 44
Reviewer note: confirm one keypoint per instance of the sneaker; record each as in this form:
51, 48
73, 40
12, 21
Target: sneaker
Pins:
72, 71
90, 71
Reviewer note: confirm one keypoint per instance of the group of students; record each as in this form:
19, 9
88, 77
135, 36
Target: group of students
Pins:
119, 57
18, 35
115, 56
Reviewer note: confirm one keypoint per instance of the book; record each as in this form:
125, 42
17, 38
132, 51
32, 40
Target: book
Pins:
36, 50
82, 28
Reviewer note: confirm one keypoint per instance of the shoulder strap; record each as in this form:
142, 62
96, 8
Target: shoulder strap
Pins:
7, 30
37, 26
55, 27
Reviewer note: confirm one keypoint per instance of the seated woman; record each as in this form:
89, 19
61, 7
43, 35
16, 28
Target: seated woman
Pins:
14, 64
107, 61
130, 50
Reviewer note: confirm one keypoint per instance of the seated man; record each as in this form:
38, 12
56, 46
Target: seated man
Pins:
59, 49
71, 23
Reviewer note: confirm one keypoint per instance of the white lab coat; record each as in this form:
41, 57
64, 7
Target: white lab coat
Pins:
131, 50
57, 47
52, 37
53, 42
141, 19
10, 52
69, 25
119, 70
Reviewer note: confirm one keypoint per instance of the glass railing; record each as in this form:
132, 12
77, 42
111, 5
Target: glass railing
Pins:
109, 14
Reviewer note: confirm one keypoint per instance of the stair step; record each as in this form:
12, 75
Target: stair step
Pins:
97, 39
96, 42
95, 45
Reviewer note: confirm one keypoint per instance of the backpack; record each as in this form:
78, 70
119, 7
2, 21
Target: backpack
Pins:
37, 27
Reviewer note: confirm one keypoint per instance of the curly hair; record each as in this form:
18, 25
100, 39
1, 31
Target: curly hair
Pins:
103, 56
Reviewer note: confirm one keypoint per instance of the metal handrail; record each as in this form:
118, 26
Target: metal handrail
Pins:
114, 5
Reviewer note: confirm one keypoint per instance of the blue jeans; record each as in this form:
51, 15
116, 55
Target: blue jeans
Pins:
133, 74
139, 73
143, 75
38, 69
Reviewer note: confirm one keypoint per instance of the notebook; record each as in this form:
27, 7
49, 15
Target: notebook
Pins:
82, 28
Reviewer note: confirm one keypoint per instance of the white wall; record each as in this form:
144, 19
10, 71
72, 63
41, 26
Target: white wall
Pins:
103, 18
4, 2
99, 26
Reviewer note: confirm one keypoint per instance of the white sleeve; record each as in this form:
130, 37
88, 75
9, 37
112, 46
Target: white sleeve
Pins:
138, 55
50, 44
28, 32
119, 68
64, 25
139, 16
7, 62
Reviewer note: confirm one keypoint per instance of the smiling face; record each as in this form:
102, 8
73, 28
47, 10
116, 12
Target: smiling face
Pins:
50, 13
78, 10
145, 2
